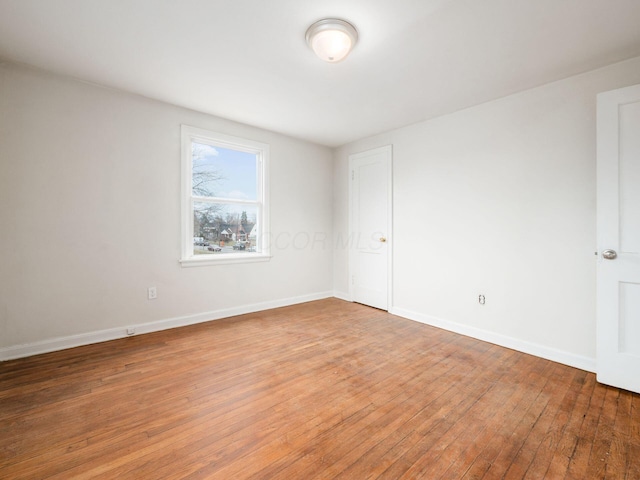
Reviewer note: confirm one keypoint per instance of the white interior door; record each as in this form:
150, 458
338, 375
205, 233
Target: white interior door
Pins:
618, 315
370, 227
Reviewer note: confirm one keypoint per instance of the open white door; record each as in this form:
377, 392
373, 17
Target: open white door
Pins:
618, 183
370, 227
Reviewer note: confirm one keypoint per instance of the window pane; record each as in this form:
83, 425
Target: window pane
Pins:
222, 172
224, 228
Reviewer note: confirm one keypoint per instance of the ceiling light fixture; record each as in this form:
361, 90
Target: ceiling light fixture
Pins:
332, 39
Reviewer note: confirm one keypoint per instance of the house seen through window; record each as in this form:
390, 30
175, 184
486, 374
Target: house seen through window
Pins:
224, 198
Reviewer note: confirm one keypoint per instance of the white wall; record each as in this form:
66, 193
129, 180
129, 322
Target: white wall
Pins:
90, 211
499, 200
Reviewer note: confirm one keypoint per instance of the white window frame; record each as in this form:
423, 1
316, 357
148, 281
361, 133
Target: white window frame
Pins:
261, 150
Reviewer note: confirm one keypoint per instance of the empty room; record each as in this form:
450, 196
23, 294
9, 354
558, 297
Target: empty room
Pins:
293, 239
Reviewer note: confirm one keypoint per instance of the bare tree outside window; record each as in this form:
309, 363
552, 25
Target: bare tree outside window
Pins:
204, 176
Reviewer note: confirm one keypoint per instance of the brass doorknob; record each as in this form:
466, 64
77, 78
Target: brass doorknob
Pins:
382, 239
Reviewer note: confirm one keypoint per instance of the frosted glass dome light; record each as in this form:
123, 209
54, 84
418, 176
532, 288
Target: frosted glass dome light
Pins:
332, 39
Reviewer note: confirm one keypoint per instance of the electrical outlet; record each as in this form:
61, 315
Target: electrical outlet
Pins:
153, 293
481, 299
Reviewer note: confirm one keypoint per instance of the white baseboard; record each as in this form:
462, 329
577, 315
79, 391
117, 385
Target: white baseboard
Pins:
61, 343
560, 356
342, 296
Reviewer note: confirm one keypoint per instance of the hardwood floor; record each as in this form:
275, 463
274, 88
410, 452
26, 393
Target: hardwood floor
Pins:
326, 389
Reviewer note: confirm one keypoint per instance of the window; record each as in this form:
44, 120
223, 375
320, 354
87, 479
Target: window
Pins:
224, 209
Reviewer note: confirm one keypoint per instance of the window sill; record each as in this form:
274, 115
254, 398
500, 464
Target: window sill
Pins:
224, 260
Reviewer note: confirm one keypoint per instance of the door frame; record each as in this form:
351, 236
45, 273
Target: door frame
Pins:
388, 151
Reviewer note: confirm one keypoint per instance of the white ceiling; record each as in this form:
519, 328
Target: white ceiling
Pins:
247, 60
